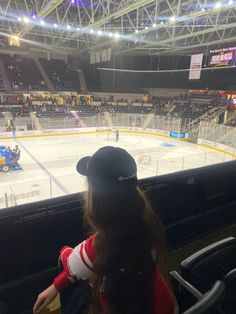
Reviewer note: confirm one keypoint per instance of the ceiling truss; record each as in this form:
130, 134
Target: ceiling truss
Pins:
143, 27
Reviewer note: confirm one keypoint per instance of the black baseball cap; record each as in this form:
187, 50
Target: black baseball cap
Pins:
112, 164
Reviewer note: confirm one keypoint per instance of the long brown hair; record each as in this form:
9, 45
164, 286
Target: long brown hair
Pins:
128, 230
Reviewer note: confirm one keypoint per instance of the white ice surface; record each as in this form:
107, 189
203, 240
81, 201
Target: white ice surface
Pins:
49, 163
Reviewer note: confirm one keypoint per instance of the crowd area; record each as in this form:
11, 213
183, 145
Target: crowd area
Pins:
23, 74
188, 107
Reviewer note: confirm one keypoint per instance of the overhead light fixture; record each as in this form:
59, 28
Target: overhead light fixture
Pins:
162, 23
146, 27
218, 5
26, 19
99, 33
91, 31
203, 9
78, 29
136, 31
15, 37
154, 25
110, 34
172, 19
117, 35
55, 25
230, 2
42, 22
68, 27
19, 19
34, 16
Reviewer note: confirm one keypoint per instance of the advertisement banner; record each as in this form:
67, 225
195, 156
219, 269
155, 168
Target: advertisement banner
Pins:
222, 57
180, 135
195, 67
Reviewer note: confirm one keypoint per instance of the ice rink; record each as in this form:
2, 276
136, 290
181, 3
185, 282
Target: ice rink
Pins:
49, 162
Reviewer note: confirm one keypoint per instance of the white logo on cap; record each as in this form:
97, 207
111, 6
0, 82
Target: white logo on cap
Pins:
126, 178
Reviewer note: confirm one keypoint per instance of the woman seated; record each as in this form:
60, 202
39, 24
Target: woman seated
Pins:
121, 258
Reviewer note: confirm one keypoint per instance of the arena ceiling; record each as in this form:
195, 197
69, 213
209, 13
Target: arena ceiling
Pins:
143, 27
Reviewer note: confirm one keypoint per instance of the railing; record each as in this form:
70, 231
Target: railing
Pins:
118, 119
218, 133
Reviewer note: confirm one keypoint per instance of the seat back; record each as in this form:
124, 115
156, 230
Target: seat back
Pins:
229, 304
210, 301
210, 264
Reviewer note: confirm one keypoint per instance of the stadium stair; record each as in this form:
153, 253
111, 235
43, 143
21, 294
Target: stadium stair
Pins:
230, 116
5, 77
83, 85
108, 118
9, 121
35, 121
44, 75
149, 119
172, 108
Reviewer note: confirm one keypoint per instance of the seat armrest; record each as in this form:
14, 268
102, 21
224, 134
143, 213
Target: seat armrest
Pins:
208, 301
181, 283
230, 277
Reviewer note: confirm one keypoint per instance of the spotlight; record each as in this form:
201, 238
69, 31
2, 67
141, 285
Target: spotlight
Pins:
217, 5
15, 37
19, 19
146, 28
78, 29
136, 31
99, 33
55, 25
110, 34
230, 2
162, 23
91, 31
154, 25
117, 35
42, 22
172, 19
26, 19
33, 16
68, 27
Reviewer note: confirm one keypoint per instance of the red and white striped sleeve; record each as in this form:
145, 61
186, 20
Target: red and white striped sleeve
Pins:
77, 263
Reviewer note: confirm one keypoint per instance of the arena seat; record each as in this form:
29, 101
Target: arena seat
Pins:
85, 110
61, 77
210, 264
220, 298
23, 73
205, 268
210, 301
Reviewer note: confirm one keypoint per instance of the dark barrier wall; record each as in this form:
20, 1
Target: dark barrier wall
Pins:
135, 81
189, 203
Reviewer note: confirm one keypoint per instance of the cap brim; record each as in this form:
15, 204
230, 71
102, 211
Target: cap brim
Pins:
82, 165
